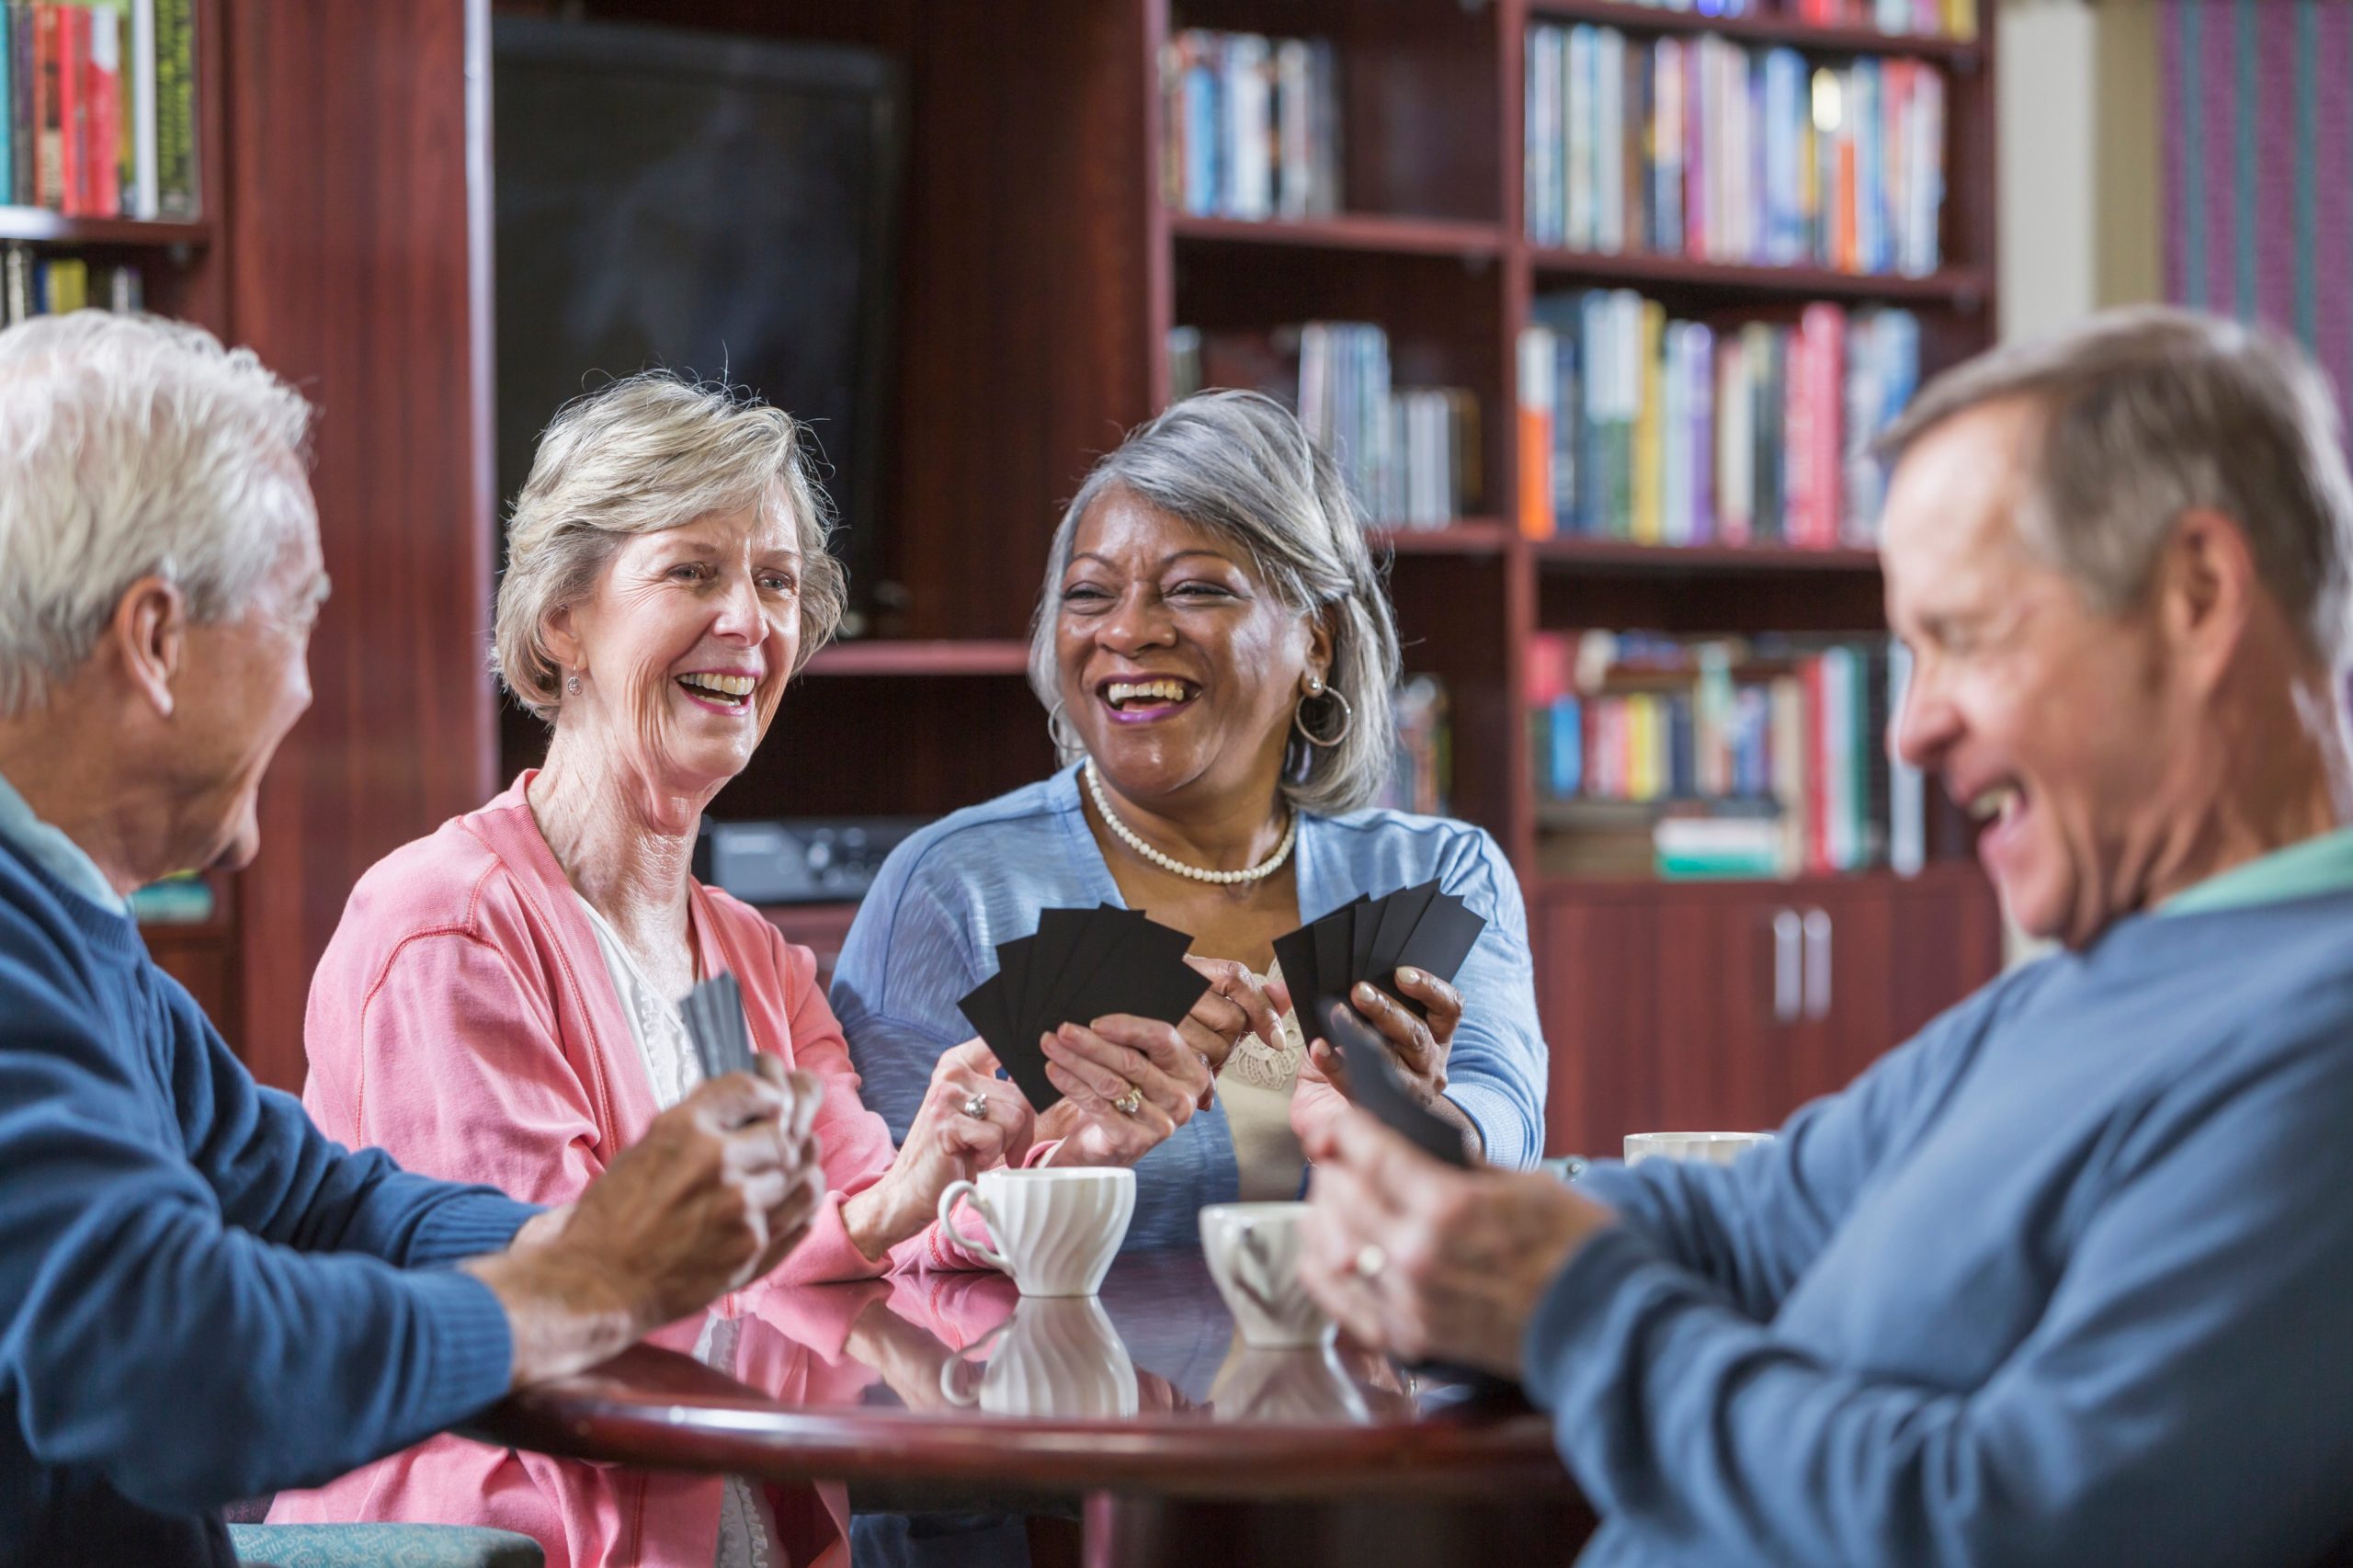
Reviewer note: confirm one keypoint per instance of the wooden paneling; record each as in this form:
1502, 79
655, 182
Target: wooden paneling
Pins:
355, 273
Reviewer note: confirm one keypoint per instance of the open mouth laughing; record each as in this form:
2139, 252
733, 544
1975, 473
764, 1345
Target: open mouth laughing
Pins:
1139, 699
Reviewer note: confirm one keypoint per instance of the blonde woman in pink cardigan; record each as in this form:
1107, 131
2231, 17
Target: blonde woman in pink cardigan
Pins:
500, 1001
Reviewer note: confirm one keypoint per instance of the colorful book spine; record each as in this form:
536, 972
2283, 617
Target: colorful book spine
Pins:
1249, 125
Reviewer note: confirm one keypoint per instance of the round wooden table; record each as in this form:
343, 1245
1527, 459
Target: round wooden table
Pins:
1138, 1410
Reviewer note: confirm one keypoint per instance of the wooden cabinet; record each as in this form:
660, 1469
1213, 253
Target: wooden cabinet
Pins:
1722, 1006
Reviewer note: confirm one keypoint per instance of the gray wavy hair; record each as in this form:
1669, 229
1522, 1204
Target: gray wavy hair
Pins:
1241, 465
2150, 412
131, 446
647, 453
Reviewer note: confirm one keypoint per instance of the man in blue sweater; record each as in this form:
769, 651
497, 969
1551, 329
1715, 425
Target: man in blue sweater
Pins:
2068, 1277
200, 1298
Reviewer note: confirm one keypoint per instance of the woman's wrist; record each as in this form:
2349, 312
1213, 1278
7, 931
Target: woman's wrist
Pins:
880, 1217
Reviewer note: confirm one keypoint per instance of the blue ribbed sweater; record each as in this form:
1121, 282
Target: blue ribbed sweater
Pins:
201, 1299
2066, 1279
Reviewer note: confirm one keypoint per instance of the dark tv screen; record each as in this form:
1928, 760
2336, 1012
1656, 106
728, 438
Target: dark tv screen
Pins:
712, 204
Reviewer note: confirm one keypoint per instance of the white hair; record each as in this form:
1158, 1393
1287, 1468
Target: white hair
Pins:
133, 446
2150, 412
647, 453
1242, 466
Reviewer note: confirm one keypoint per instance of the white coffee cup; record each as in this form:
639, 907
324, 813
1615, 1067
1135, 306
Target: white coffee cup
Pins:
1055, 1358
1054, 1230
1252, 1251
1708, 1148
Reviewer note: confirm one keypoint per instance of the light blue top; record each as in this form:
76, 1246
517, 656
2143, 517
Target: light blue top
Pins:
2067, 1279
927, 932
49, 848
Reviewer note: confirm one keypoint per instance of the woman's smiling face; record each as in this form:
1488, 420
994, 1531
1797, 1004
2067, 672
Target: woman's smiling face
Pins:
687, 640
1179, 665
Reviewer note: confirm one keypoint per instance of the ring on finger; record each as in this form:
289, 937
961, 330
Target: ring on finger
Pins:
1369, 1260
1128, 1103
976, 1105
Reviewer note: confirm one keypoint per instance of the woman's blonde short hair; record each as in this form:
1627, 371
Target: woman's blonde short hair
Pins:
1241, 465
649, 452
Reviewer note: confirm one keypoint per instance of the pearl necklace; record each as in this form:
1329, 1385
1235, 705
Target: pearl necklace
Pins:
1128, 836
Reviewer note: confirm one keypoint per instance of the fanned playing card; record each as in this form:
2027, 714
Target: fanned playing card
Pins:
713, 1014
1374, 1085
1370, 939
1080, 965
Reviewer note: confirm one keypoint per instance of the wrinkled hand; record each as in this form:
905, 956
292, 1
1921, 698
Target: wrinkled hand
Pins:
943, 1145
1094, 1067
721, 1186
1460, 1258
1233, 1006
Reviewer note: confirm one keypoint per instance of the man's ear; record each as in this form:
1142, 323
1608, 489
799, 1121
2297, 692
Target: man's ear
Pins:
2206, 590
148, 635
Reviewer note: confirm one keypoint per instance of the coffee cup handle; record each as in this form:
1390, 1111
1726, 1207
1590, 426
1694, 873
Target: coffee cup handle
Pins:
956, 1189
951, 1386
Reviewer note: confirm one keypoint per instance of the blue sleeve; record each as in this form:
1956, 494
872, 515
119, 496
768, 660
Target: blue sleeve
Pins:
276, 1174
2181, 1400
906, 961
1751, 1228
134, 1295
1496, 1070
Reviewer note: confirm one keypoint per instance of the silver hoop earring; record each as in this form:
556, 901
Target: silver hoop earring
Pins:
571, 686
1347, 719
1066, 745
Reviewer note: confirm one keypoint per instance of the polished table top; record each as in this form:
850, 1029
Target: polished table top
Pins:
954, 1378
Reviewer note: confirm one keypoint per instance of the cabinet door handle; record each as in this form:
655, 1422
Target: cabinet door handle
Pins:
1818, 935
1788, 974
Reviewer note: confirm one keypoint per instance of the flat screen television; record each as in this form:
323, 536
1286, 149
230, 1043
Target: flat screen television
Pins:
712, 203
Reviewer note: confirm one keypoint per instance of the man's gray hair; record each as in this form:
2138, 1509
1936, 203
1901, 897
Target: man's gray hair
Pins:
1241, 466
2150, 412
133, 446
644, 454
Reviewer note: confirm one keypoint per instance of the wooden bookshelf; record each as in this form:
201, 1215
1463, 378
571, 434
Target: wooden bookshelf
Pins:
1040, 276
41, 226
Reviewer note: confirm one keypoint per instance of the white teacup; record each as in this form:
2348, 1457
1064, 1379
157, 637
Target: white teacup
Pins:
1708, 1148
1252, 1251
1054, 1230
1053, 1357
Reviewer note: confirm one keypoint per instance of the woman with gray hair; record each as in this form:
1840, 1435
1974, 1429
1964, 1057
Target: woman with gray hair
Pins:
501, 1001
1215, 654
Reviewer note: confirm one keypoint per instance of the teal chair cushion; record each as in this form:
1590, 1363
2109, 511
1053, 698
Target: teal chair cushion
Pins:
383, 1546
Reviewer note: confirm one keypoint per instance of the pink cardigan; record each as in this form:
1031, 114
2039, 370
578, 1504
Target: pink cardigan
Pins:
463, 1020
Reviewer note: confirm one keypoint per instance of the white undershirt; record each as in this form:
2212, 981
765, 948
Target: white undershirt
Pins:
746, 1527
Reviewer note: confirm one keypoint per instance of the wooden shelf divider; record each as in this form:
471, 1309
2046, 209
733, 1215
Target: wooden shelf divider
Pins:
1625, 555
883, 656
1813, 38
39, 225
1399, 235
1963, 288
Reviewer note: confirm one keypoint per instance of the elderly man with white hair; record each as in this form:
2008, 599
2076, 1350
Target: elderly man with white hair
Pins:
2068, 1277
201, 1298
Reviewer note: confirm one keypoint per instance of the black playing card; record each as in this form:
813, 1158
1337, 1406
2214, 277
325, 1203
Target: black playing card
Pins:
1374, 1085
1296, 952
1399, 912
713, 1014
1443, 938
1334, 950
1079, 965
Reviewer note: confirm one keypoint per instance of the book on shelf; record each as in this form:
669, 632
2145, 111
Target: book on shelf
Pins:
1412, 454
1421, 778
1250, 126
1639, 427
33, 283
1707, 149
1719, 756
98, 102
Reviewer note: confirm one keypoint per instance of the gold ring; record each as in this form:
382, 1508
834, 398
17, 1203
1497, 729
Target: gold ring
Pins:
1128, 1103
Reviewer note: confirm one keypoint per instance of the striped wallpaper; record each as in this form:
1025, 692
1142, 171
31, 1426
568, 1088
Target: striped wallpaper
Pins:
2257, 99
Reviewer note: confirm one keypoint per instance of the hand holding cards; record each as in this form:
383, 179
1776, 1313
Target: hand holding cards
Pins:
1371, 940
1082, 964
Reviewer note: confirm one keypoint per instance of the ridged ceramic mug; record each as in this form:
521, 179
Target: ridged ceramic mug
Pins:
1252, 1251
1053, 1357
1054, 1230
